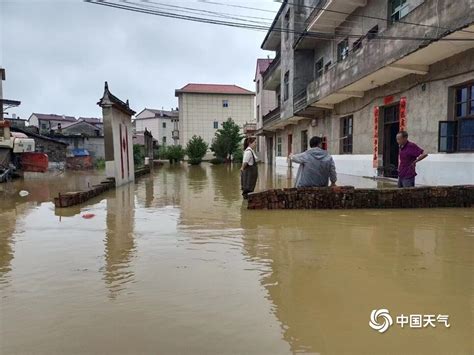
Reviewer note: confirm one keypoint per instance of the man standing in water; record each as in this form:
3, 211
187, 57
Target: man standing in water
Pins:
316, 166
409, 154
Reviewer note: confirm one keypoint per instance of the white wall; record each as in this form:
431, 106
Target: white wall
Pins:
197, 113
436, 169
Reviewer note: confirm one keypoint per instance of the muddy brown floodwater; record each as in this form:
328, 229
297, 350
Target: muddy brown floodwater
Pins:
175, 264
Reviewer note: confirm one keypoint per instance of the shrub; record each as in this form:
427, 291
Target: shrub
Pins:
175, 153
238, 156
99, 163
196, 149
217, 161
138, 154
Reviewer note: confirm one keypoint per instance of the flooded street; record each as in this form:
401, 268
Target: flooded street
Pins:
176, 264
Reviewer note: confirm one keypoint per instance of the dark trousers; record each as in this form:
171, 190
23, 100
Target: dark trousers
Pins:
406, 182
248, 179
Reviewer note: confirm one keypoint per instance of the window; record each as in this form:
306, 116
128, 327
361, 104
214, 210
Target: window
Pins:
279, 145
164, 124
458, 134
374, 31
346, 134
164, 140
225, 103
304, 140
216, 125
286, 88
44, 126
287, 24
258, 86
318, 69
342, 50
357, 44
397, 9
258, 113
447, 136
327, 66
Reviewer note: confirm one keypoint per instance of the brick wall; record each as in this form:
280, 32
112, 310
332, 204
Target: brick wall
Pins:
347, 197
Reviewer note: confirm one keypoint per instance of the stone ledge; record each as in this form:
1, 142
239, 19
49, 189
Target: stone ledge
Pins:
348, 197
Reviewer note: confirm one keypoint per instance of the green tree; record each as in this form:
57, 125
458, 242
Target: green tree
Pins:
227, 140
196, 149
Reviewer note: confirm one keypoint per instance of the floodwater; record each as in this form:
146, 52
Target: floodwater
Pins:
175, 264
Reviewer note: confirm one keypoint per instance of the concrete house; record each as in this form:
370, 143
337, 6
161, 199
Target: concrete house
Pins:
162, 124
411, 67
265, 102
46, 122
204, 107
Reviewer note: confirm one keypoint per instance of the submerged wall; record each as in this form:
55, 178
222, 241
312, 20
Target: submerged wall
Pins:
347, 197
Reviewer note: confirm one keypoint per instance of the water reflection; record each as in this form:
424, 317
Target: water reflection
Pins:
330, 269
119, 240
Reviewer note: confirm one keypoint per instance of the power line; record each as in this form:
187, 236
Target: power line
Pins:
319, 35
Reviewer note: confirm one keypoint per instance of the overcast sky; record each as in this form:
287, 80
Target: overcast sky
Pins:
57, 54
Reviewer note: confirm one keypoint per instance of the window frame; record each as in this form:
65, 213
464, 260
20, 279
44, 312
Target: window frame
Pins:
343, 52
304, 142
453, 136
279, 146
163, 125
398, 10
215, 125
347, 134
225, 103
319, 72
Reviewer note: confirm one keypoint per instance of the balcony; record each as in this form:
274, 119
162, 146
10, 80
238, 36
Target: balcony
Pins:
175, 134
272, 76
378, 62
299, 101
271, 118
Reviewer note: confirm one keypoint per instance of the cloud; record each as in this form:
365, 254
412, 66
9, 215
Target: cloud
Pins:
58, 54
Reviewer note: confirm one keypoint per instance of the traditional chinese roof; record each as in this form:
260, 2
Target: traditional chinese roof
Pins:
108, 98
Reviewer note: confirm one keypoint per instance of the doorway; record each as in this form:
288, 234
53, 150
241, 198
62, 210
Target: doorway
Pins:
391, 126
269, 150
290, 144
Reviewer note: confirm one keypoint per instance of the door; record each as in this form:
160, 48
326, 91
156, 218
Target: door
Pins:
270, 150
390, 147
290, 144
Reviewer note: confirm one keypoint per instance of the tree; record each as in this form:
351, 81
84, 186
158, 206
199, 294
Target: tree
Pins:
227, 140
196, 149
175, 153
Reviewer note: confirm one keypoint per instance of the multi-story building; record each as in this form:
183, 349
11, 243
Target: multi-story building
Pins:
162, 125
265, 101
48, 122
357, 72
204, 107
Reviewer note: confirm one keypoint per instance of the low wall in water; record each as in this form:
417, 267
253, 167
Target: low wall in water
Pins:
348, 197
69, 199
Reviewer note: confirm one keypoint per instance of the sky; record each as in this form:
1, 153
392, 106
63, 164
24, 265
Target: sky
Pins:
58, 53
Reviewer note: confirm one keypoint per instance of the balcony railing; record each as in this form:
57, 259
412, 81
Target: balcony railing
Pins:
272, 67
317, 8
299, 101
271, 117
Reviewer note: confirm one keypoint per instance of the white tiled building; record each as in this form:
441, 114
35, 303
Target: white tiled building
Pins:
204, 107
162, 125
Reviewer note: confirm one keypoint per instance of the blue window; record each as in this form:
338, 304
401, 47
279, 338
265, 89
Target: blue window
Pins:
216, 125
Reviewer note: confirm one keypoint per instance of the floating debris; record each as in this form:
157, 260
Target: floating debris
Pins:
23, 193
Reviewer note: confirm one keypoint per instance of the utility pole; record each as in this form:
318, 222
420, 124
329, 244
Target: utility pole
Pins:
2, 77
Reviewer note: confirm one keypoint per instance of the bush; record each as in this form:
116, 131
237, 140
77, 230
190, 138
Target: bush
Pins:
161, 152
138, 154
217, 161
238, 156
99, 163
196, 149
175, 153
